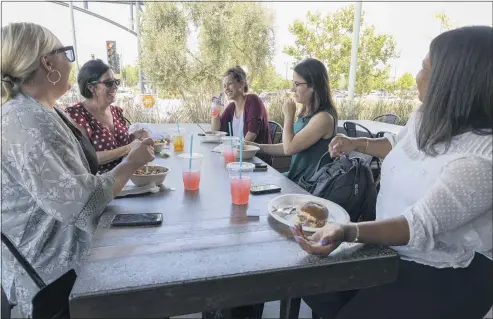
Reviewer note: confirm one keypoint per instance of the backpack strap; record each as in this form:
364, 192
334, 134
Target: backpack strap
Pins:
24, 263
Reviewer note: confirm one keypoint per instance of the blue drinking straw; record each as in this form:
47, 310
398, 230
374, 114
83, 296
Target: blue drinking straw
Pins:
178, 126
241, 153
191, 148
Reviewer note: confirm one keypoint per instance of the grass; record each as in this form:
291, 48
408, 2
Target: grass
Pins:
197, 109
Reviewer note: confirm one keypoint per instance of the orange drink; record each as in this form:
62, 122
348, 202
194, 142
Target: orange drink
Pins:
178, 136
240, 181
191, 180
178, 143
190, 167
240, 189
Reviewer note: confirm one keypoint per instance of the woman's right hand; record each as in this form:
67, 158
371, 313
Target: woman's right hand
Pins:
142, 152
341, 144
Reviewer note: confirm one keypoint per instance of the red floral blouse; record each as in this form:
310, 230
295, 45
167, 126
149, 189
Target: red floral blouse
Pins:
101, 136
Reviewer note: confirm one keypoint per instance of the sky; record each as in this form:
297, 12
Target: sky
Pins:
412, 24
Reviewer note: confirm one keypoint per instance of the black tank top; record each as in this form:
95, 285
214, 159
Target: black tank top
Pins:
85, 143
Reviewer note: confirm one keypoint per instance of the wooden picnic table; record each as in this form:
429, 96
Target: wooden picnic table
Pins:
208, 254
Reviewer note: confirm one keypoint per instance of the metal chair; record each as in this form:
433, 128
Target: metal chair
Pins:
351, 131
275, 130
373, 162
387, 118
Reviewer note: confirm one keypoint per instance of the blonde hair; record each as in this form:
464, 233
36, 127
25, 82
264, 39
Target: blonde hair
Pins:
23, 45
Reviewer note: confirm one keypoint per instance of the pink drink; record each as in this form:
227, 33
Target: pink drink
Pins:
215, 112
229, 155
240, 189
191, 180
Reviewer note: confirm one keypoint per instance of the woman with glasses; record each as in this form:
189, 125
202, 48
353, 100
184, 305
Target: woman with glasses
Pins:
307, 136
51, 202
102, 123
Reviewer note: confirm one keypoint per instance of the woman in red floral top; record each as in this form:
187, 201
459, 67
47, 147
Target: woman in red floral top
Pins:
103, 123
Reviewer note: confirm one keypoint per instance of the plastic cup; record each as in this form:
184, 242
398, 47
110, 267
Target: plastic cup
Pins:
215, 111
191, 173
240, 186
230, 150
178, 137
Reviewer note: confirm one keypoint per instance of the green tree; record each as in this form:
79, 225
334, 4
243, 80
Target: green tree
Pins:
329, 38
269, 81
406, 82
445, 24
72, 77
130, 73
229, 34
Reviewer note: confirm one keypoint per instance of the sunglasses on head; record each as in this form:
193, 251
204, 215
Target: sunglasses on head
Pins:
69, 52
108, 83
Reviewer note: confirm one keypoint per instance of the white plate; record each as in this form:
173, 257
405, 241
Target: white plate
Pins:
337, 214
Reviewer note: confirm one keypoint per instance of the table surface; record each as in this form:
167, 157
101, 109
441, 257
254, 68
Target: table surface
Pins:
208, 254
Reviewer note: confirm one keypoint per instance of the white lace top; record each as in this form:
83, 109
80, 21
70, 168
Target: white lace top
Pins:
446, 199
51, 203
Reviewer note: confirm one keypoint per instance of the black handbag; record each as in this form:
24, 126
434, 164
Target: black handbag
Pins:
52, 300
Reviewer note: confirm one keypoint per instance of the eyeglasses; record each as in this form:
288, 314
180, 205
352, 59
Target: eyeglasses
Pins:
108, 83
296, 84
69, 52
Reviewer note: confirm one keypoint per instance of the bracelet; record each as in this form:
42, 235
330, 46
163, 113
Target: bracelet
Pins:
366, 147
357, 233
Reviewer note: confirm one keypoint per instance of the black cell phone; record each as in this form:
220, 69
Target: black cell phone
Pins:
260, 167
128, 220
264, 189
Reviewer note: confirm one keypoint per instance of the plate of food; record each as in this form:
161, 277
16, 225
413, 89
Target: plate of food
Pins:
213, 136
310, 211
151, 174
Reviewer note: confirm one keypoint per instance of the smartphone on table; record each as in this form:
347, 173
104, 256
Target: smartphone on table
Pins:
129, 220
264, 189
260, 167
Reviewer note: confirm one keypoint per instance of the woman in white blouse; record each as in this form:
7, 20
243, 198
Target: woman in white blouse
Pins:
435, 203
51, 203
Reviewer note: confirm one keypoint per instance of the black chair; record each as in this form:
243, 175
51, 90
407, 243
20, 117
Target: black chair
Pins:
275, 130
374, 162
351, 131
387, 118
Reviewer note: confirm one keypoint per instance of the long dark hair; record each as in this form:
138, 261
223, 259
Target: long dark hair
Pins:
460, 91
317, 78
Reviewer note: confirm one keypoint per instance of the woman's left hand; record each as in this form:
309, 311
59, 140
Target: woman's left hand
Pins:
322, 242
289, 109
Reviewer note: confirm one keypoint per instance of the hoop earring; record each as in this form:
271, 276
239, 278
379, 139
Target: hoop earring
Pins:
53, 82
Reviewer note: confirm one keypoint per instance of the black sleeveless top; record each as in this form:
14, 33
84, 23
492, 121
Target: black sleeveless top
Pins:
85, 143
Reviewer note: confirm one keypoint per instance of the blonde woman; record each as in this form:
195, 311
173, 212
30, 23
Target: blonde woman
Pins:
51, 203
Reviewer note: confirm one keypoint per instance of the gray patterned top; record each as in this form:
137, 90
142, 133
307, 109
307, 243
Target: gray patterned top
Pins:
50, 201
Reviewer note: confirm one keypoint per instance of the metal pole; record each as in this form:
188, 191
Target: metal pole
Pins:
137, 29
132, 16
74, 38
354, 50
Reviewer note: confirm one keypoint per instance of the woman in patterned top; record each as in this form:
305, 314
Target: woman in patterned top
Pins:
51, 202
434, 207
101, 122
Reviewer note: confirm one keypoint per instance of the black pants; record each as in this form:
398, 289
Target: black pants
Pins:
419, 292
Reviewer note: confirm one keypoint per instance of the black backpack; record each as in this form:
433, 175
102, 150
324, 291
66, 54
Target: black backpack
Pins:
347, 182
